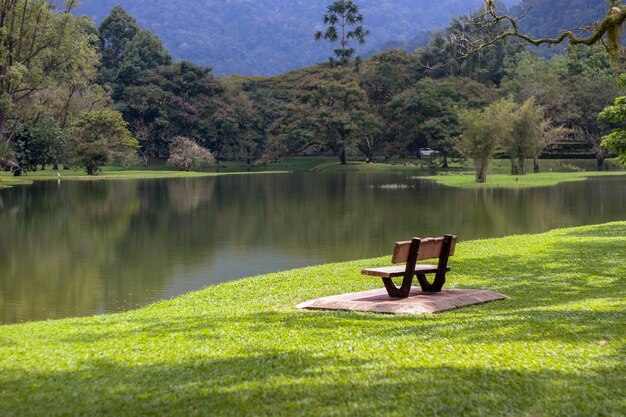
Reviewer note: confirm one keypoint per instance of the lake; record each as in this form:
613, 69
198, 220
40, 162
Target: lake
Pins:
78, 248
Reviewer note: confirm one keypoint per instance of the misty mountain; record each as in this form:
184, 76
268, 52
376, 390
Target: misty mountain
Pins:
265, 37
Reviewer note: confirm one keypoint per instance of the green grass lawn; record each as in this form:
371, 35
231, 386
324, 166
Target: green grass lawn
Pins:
555, 348
109, 173
544, 179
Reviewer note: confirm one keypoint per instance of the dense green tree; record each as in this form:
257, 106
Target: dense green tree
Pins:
616, 116
593, 84
483, 131
234, 122
38, 47
426, 115
344, 25
571, 89
116, 30
384, 76
127, 51
337, 104
325, 114
531, 133
144, 51
39, 144
103, 136
172, 100
544, 80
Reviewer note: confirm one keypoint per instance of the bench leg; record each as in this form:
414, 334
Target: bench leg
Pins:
440, 276
436, 286
395, 292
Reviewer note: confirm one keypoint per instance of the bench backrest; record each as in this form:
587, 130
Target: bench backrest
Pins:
429, 248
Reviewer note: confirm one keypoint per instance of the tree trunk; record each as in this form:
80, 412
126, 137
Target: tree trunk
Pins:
600, 162
342, 155
445, 160
514, 167
481, 172
521, 164
43, 167
3, 126
55, 167
536, 166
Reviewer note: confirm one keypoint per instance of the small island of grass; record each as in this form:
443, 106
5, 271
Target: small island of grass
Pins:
545, 179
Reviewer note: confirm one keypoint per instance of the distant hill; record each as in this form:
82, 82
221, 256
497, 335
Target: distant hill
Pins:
266, 37
548, 17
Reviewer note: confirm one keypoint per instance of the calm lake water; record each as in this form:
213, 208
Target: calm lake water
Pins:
82, 248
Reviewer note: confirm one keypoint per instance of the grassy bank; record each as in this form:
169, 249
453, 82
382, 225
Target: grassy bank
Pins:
556, 348
555, 171
110, 173
544, 179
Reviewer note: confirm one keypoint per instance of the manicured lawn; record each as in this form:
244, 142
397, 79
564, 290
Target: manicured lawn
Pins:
544, 179
556, 348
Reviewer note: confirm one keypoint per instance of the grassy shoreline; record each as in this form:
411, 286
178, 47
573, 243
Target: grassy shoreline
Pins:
546, 179
556, 348
554, 172
7, 181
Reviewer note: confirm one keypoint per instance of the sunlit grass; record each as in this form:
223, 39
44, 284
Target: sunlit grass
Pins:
555, 348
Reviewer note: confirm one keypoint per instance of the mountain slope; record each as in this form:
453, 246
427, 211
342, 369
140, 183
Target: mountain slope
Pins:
265, 37
549, 17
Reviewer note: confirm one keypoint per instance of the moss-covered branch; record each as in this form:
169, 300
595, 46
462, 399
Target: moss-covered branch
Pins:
606, 31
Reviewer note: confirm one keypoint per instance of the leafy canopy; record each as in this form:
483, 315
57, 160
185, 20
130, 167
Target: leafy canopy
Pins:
616, 115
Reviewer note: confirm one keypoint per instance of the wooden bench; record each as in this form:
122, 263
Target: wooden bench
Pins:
408, 253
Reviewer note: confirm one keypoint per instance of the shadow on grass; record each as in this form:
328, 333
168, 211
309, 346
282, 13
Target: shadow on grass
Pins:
297, 383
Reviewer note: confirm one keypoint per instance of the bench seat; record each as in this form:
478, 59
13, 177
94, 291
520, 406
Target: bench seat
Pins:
398, 270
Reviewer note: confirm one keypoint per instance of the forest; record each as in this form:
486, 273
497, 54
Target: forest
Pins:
90, 96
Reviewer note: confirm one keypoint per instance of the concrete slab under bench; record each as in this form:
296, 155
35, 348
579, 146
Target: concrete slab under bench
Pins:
418, 302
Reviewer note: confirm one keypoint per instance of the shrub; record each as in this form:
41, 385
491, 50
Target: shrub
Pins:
188, 155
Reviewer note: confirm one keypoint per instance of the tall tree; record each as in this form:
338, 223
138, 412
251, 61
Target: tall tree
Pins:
344, 25
116, 30
172, 100
483, 132
127, 51
38, 46
531, 133
327, 114
101, 136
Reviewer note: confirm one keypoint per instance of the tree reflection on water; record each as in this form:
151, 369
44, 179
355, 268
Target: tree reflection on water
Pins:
84, 248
